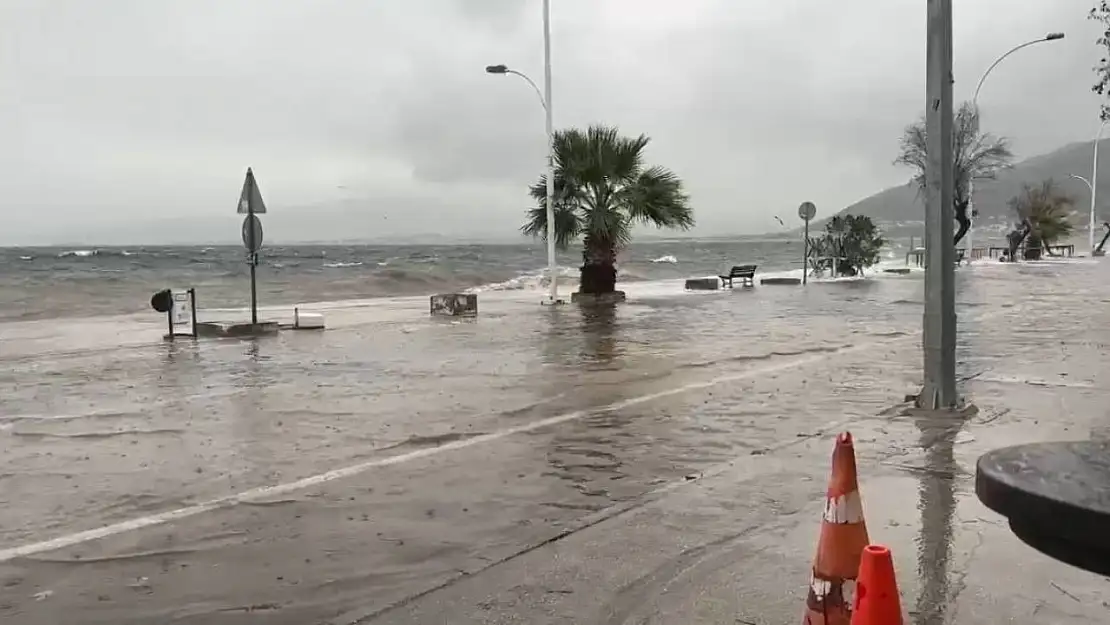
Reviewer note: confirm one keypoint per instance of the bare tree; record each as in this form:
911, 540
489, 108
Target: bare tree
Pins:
976, 156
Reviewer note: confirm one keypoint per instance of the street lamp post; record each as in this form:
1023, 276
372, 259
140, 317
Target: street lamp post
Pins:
975, 108
545, 101
1093, 184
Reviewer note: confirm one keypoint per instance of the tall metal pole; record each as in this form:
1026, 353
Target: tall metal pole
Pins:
253, 251
1094, 188
939, 327
551, 267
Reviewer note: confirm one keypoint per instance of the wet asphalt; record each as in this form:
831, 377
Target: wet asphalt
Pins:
662, 462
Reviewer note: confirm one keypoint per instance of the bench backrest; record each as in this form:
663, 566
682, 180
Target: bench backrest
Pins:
740, 271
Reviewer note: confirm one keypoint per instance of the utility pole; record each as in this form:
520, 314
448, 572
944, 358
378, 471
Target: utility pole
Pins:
939, 327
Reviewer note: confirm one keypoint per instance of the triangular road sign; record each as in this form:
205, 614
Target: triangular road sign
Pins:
250, 199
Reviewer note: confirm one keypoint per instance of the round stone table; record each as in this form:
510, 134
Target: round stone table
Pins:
1056, 497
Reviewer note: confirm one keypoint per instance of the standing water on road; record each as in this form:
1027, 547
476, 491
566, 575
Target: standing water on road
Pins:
316, 476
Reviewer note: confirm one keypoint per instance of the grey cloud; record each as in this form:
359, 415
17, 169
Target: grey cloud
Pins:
380, 114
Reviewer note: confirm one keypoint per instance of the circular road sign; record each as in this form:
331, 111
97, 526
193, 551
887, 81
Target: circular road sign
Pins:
807, 211
252, 233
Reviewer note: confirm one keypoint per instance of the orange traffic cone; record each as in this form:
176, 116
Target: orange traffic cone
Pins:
843, 537
877, 601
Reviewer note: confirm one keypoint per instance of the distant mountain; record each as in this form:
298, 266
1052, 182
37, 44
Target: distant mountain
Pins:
901, 206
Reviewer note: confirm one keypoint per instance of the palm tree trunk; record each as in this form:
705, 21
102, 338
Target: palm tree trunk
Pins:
1034, 246
598, 275
961, 218
1016, 238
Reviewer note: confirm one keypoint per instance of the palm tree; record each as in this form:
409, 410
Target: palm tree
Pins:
976, 156
1047, 213
602, 189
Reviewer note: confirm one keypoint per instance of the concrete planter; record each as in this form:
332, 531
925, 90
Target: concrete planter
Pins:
604, 298
455, 304
703, 284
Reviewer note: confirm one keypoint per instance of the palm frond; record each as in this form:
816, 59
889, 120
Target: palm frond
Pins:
657, 198
568, 224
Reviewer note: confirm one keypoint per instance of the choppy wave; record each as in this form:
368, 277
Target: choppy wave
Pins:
93, 252
116, 280
534, 280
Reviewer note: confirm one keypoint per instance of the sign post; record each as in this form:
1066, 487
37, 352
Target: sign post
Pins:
251, 204
806, 211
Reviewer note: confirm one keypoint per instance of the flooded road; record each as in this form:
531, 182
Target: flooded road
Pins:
660, 462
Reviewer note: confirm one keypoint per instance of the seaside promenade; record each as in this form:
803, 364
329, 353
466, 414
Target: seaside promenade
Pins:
663, 462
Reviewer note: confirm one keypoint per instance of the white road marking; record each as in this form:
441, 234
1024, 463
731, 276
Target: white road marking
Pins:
323, 478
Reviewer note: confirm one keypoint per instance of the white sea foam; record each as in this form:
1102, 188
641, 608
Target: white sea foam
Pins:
535, 280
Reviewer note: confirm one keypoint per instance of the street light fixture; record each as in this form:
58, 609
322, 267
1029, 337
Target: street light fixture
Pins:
545, 101
975, 108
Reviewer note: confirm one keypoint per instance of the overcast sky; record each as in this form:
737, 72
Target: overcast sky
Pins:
136, 120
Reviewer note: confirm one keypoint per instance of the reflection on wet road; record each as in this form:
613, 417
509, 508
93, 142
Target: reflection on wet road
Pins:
393, 454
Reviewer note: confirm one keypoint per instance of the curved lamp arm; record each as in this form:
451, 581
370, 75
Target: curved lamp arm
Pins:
1083, 180
502, 69
1046, 38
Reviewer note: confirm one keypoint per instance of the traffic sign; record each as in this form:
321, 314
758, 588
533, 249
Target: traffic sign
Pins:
250, 198
807, 211
252, 233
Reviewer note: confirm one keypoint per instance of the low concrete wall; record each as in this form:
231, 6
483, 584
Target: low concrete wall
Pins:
703, 284
455, 304
781, 281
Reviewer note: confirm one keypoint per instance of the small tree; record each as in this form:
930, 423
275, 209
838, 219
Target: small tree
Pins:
976, 156
1101, 14
1045, 212
852, 242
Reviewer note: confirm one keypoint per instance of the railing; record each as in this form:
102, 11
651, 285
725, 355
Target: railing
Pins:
1059, 250
918, 255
